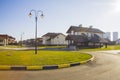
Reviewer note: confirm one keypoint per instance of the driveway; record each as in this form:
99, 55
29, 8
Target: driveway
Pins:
106, 66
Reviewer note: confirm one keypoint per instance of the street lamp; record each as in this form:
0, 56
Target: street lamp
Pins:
36, 18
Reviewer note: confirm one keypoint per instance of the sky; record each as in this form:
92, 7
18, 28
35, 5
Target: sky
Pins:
59, 15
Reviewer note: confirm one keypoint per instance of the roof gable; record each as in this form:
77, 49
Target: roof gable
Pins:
5, 36
83, 29
52, 35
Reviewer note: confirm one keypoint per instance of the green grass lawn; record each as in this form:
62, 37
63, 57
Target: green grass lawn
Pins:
46, 57
42, 58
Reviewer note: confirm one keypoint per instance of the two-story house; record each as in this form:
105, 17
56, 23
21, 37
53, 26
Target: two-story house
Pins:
5, 39
54, 39
85, 36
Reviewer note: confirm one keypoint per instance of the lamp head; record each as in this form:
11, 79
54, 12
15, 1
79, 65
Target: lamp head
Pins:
30, 14
42, 15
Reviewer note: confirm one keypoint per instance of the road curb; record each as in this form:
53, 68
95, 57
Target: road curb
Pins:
47, 67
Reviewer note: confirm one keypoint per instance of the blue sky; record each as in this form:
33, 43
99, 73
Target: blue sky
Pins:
59, 16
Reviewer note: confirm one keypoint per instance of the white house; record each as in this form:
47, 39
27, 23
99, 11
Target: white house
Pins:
54, 39
85, 36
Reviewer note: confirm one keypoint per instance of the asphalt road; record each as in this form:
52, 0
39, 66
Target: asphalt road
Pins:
106, 66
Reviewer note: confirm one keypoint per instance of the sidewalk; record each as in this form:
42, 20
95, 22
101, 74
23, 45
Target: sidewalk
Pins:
27, 48
111, 51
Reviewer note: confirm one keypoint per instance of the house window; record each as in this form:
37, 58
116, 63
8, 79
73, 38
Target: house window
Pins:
76, 33
72, 41
79, 33
72, 32
1, 40
93, 35
89, 34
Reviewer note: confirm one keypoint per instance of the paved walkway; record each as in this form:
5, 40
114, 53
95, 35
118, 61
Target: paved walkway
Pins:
106, 66
27, 48
111, 51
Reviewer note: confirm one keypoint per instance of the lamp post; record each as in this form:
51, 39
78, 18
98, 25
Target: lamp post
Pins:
21, 39
36, 18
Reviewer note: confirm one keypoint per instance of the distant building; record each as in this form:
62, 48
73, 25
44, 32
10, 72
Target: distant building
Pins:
107, 35
115, 36
31, 42
117, 41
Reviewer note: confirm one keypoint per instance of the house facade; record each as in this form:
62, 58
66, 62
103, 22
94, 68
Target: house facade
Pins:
85, 36
28, 42
5, 40
54, 39
11, 40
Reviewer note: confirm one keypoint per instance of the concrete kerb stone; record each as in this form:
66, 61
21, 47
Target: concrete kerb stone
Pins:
34, 67
47, 67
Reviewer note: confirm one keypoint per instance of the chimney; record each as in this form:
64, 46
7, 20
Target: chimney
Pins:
90, 26
80, 25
